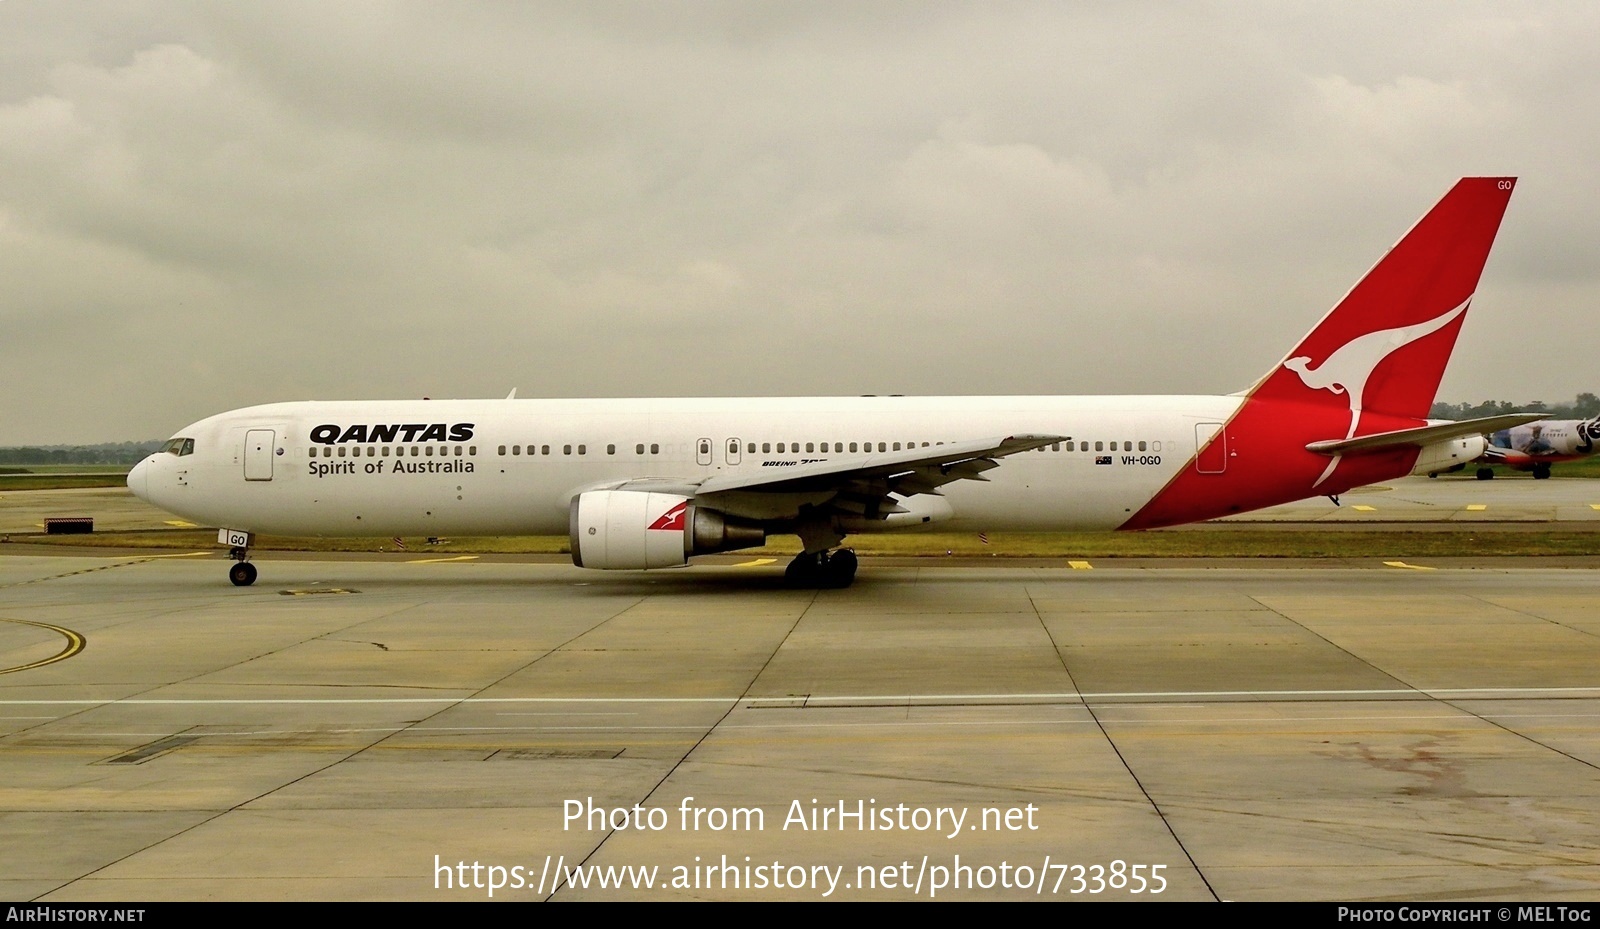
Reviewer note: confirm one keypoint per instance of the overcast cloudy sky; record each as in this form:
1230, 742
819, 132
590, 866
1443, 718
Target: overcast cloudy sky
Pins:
210, 205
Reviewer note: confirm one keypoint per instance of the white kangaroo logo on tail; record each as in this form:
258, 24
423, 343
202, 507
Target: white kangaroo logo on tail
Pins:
1347, 369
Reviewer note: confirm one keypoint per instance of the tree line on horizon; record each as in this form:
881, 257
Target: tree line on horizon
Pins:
104, 453
1584, 406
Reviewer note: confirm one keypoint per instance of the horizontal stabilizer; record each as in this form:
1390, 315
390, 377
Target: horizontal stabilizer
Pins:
1422, 435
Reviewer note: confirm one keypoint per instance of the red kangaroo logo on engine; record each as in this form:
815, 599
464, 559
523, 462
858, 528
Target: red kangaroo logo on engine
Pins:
671, 520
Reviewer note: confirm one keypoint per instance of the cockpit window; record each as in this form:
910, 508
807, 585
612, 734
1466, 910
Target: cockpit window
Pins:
179, 447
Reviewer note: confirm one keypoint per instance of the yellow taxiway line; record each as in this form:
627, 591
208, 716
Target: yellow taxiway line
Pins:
75, 644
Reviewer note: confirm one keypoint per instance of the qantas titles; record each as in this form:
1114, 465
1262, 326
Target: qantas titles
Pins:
330, 434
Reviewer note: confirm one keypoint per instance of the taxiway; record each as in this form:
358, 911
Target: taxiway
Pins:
347, 728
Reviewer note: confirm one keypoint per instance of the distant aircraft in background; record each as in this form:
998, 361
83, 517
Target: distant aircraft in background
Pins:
1538, 445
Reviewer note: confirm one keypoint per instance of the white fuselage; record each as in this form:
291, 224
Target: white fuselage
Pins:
268, 469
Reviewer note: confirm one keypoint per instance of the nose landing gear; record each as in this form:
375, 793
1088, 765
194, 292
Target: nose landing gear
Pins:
243, 573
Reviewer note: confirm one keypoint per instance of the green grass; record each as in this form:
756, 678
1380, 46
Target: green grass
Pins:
1213, 543
1226, 543
1583, 467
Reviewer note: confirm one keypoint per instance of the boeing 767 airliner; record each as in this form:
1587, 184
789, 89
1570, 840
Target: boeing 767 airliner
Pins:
650, 483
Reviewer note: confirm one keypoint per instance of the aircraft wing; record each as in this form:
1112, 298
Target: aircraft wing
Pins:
854, 484
1422, 435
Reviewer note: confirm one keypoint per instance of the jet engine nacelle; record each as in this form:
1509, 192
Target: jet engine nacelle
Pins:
630, 530
1449, 454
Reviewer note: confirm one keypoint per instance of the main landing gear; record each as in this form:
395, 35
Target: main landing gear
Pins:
243, 573
822, 569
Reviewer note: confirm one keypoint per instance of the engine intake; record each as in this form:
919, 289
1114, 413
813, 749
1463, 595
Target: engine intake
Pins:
632, 530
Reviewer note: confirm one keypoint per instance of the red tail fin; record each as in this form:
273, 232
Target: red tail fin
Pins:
1375, 343
1373, 364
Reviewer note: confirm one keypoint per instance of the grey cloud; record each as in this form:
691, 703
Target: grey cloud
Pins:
211, 205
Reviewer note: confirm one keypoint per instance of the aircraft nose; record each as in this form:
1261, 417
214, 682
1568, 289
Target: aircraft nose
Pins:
139, 479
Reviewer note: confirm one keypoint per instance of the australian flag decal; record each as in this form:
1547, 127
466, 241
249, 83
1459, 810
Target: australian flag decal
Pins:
1102, 459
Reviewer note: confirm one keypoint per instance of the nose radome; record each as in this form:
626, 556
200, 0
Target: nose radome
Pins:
139, 478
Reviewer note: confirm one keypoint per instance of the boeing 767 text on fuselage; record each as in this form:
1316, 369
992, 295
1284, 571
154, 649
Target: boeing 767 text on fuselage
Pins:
650, 483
